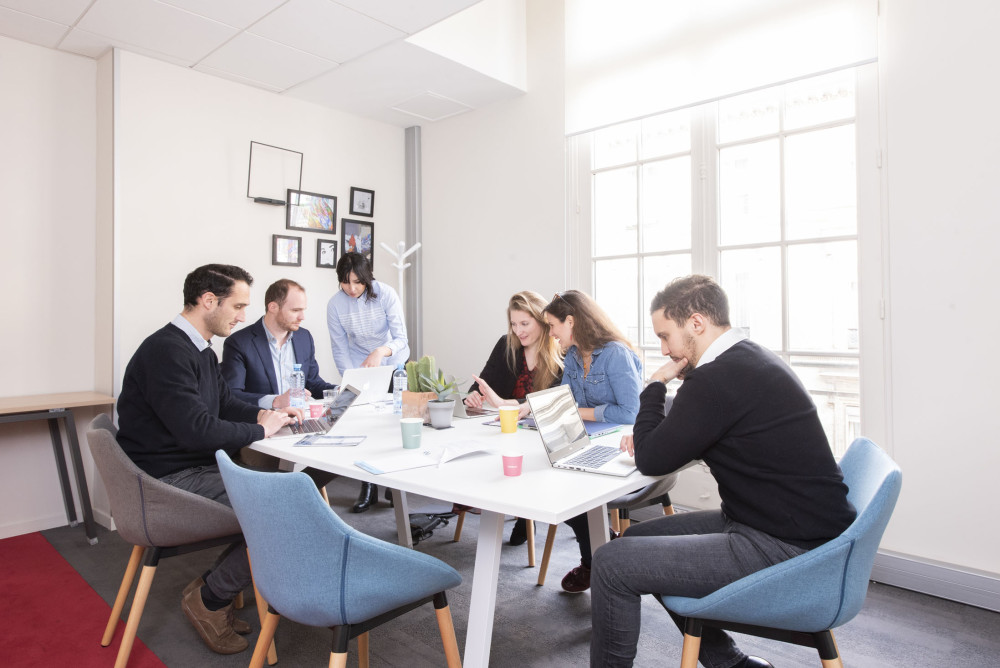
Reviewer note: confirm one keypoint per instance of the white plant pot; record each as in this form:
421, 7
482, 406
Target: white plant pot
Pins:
441, 412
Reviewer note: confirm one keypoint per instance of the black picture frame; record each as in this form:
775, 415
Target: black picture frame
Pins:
362, 202
326, 253
286, 254
311, 212
358, 236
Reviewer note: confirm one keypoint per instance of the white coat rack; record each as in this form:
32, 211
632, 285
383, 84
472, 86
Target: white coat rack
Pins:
400, 255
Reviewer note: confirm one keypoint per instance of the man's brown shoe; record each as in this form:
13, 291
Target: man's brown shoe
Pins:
238, 624
214, 626
577, 580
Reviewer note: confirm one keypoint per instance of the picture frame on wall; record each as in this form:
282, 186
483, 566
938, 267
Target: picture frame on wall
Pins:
326, 253
358, 236
311, 212
362, 202
286, 251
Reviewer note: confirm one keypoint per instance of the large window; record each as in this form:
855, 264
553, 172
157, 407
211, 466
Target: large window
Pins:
758, 190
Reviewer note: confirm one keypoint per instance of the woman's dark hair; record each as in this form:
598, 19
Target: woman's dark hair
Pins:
592, 328
215, 278
359, 265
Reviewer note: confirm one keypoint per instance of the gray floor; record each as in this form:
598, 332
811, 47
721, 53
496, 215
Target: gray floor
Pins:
534, 626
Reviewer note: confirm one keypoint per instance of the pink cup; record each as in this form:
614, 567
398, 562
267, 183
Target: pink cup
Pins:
512, 464
316, 410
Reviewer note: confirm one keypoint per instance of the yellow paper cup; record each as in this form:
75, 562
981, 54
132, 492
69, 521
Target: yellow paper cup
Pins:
508, 419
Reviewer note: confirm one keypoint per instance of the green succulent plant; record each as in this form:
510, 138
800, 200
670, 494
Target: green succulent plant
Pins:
424, 376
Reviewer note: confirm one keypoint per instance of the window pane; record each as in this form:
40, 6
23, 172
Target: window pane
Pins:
820, 100
617, 282
752, 280
823, 296
666, 134
615, 225
750, 193
615, 145
821, 184
833, 384
657, 271
750, 115
666, 205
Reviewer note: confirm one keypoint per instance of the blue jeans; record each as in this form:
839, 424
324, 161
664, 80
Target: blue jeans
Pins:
688, 554
231, 573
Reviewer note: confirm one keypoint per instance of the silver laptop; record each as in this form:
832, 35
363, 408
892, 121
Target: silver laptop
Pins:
566, 440
347, 397
372, 381
467, 412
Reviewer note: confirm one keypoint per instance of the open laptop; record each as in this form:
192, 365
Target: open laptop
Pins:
466, 412
373, 382
566, 440
347, 396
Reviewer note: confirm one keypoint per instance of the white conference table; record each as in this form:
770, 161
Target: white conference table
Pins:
540, 493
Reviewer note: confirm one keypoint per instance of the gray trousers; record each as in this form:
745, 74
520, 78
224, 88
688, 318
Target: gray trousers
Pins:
231, 573
688, 554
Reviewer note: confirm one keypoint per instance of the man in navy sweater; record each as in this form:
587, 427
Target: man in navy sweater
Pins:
745, 413
175, 411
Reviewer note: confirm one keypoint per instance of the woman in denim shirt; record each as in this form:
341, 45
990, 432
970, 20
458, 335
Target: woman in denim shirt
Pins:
605, 377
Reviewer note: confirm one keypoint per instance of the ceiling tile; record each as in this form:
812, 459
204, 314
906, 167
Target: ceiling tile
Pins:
430, 106
237, 78
265, 61
94, 46
325, 29
65, 12
157, 27
30, 28
407, 15
238, 13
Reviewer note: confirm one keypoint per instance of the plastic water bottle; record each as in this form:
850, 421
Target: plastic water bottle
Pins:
297, 384
398, 385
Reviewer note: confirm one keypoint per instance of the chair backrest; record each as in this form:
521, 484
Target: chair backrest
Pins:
313, 568
873, 482
103, 421
148, 512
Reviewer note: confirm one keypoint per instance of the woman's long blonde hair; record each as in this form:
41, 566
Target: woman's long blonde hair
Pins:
548, 361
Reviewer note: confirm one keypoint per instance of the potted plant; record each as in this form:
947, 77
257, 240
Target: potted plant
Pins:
442, 408
428, 392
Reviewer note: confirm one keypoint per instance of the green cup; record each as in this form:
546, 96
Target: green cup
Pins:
412, 428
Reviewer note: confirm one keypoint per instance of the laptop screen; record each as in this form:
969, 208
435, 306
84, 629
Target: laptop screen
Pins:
558, 421
347, 395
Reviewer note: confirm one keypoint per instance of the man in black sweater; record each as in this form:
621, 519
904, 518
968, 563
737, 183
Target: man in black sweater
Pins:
175, 410
744, 412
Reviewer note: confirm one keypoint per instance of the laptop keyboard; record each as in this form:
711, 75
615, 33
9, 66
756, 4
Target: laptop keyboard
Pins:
594, 457
308, 426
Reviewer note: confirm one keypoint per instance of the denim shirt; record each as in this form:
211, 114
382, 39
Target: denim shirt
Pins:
612, 386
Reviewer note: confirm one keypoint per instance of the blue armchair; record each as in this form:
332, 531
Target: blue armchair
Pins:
800, 600
314, 569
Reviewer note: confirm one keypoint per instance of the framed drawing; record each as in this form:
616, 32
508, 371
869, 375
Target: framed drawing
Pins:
362, 202
311, 212
286, 251
273, 170
326, 253
358, 236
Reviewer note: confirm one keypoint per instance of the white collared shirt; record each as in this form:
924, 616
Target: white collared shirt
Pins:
197, 339
727, 340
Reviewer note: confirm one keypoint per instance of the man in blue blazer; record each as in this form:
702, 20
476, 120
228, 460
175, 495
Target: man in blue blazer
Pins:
253, 356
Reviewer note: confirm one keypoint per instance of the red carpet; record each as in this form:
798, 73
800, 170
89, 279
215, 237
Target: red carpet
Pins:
50, 615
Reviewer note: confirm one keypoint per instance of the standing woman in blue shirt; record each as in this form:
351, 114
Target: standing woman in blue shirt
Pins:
367, 329
605, 376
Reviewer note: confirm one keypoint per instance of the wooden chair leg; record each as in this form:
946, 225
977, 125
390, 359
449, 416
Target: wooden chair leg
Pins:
338, 660
272, 652
123, 589
829, 653
135, 614
625, 524
668, 509
265, 641
550, 539
238, 602
615, 520
458, 526
692, 643
326, 497
363, 650
447, 629
530, 528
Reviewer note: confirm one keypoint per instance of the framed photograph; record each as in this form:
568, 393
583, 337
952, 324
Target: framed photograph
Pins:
362, 202
326, 253
311, 212
286, 251
358, 236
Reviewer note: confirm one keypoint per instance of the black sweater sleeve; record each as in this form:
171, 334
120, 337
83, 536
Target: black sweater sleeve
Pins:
497, 372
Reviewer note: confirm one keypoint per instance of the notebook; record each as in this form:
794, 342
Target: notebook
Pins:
566, 440
347, 396
374, 382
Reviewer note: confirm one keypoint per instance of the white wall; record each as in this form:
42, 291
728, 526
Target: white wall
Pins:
182, 144
941, 139
47, 262
493, 208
